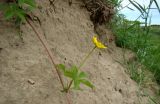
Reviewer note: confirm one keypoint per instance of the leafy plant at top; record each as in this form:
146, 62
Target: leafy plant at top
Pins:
17, 9
76, 76
13, 11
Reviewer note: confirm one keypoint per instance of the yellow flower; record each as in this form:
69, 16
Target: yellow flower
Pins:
98, 43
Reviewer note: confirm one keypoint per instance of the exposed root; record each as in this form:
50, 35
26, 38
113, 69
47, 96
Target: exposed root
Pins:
101, 12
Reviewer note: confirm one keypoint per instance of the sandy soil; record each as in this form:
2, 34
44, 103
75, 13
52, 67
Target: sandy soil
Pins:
26, 75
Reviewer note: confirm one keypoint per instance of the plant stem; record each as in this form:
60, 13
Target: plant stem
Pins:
86, 57
50, 56
69, 86
82, 63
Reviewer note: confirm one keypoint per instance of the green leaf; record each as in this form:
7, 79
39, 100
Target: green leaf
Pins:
10, 11
82, 75
30, 3
130, 8
74, 71
68, 74
61, 67
142, 8
9, 14
132, 2
20, 2
87, 83
21, 14
77, 84
13, 10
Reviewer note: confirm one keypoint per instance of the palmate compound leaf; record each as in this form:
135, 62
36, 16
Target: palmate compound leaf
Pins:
13, 10
76, 76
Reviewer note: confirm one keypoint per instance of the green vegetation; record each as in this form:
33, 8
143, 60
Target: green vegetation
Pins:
76, 77
139, 37
155, 34
17, 9
144, 40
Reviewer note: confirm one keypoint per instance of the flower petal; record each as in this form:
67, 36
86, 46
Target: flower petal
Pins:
97, 43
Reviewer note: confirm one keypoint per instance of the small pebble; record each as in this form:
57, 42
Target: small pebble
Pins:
30, 81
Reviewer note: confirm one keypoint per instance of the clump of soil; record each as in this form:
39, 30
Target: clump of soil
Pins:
101, 12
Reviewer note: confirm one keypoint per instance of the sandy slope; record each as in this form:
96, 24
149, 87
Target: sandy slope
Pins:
69, 31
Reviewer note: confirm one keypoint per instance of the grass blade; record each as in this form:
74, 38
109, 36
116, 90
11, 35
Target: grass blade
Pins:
157, 5
135, 5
